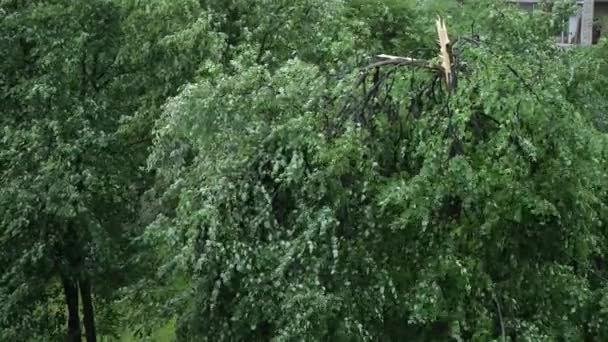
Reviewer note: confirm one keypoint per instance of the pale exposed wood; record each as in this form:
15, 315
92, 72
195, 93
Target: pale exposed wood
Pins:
404, 59
444, 67
444, 43
398, 60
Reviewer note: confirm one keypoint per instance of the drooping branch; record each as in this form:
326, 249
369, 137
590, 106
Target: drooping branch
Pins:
376, 97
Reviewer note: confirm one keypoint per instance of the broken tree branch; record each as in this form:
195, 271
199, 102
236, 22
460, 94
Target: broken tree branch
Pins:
445, 53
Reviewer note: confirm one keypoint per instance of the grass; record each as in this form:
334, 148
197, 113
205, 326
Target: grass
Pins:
163, 334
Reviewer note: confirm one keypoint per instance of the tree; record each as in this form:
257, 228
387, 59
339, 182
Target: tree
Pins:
379, 206
299, 183
64, 190
79, 94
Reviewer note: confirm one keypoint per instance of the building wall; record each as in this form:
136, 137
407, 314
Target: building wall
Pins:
526, 5
600, 13
601, 6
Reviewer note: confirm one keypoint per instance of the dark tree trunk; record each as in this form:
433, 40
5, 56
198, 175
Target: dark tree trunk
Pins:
71, 298
88, 310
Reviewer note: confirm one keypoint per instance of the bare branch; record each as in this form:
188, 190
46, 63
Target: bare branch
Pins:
398, 61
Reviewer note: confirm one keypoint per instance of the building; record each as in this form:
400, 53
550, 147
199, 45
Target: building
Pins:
585, 27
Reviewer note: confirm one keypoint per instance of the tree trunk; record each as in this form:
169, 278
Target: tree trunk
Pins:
71, 298
88, 310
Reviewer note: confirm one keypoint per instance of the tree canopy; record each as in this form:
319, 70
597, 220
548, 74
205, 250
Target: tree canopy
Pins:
300, 170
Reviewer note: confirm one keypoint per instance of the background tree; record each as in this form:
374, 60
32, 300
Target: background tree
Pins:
81, 84
61, 179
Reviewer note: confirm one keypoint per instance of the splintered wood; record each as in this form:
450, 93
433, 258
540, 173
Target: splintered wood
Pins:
444, 43
445, 67
398, 60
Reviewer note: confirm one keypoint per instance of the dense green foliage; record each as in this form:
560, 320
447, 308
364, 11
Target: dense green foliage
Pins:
234, 167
